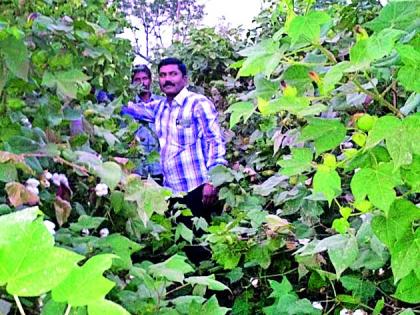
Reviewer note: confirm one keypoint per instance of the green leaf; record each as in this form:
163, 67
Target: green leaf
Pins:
378, 184
408, 289
86, 222
328, 182
173, 269
400, 15
411, 174
375, 47
334, 76
27, 254
405, 255
86, 285
211, 307
299, 163
296, 105
383, 127
148, 196
307, 28
16, 56
409, 55
408, 77
240, 110
106, 307
258, 254
220, 174
345, 256
120, 246
110, 174
184, 232
8, 172
264, 88
379, 307
364, 289
395, 226
66, 82
326, 133
280, 289
208, 281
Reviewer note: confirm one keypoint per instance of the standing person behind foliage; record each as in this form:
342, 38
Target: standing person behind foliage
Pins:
146, 134
189, 134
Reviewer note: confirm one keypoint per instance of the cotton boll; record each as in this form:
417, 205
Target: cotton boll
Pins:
85, 232
359, 312
104, 232
345, 311
33, 182
317, 305
33, 190
50, 226
101, 190
254, 282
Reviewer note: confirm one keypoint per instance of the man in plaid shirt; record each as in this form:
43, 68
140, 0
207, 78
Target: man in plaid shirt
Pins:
189, 134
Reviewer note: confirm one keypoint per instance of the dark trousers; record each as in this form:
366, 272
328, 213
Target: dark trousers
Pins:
193, 201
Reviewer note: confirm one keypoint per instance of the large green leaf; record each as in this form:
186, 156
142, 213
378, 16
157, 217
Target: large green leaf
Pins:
408, 289
307, 28
375, 47
299, 162
344, 256
208, 281
411, 174
405, 255
400, 15
16, 56
378, 184
27, 255
173, 269
397, 224
66, 82
105, 307
211, 307
408, 77
328, 182
120, 246
382, 128
110, 174
85, 285
148, 196
8, 172
326, 133
240, 110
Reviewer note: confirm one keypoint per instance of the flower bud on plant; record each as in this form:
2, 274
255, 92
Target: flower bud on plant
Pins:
361, 33
365, 122
363, 205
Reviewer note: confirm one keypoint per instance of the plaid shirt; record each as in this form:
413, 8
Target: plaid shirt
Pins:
190, 138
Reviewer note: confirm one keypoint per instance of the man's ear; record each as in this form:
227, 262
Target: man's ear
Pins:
186, 80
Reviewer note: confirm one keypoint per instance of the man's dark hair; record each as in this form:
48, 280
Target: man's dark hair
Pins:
173, 61
141, 68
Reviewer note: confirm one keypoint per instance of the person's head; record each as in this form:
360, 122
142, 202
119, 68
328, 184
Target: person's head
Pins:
172, 76
142, 76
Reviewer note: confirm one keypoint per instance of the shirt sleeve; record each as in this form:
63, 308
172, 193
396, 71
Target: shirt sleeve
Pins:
207, 116
141, 111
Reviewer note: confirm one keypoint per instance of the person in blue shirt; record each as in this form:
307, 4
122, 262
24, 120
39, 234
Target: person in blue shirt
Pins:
146, 134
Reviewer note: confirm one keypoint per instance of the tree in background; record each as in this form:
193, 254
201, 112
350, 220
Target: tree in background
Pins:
162, 22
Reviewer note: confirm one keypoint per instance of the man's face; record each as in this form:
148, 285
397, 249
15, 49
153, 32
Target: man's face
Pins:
171, 80
141, 78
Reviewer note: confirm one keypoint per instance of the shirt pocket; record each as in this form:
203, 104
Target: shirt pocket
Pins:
185, 130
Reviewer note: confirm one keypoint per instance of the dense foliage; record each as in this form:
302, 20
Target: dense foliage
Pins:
319, 200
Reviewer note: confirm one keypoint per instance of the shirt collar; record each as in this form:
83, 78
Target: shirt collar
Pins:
181, 96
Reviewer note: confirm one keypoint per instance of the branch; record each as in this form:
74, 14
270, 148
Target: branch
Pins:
379, 98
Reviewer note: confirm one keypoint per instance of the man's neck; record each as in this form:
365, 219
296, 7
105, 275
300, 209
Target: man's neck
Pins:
145, 97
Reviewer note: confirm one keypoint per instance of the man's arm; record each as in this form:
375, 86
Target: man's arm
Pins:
141, 111
207, 116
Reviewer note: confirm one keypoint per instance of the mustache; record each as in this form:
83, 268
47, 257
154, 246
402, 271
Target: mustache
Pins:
168, 84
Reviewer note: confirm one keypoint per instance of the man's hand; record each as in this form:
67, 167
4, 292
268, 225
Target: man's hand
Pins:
209, 195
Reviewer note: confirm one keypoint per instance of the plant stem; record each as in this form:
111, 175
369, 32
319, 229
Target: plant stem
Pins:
68, 309
378, 98
176, 289
19, 305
